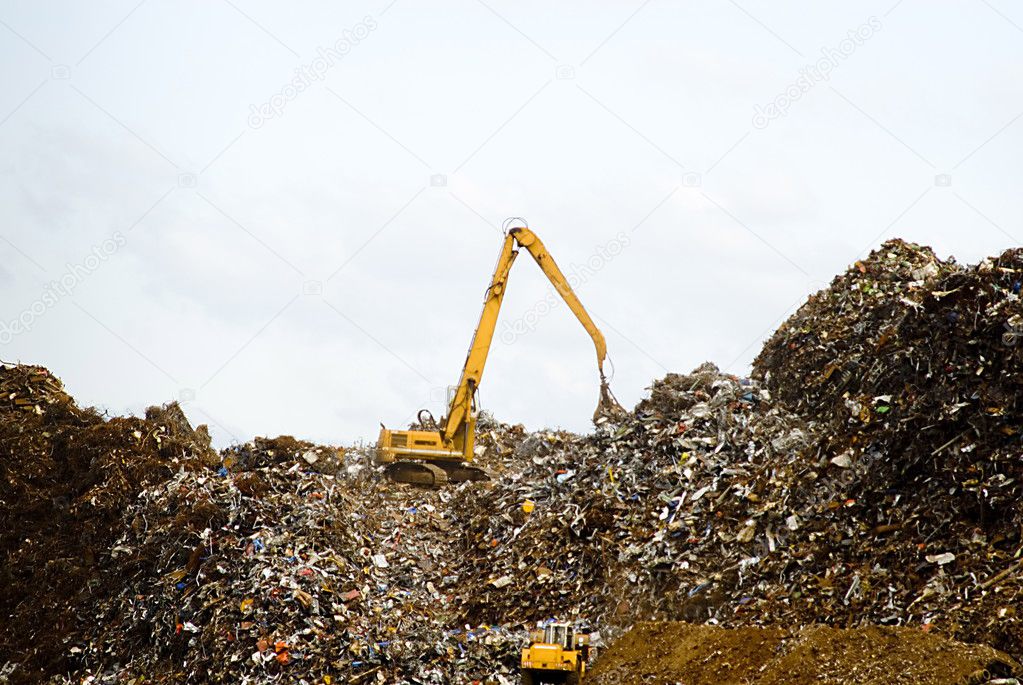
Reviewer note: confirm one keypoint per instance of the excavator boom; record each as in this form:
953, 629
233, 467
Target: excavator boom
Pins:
433, 456
476, 359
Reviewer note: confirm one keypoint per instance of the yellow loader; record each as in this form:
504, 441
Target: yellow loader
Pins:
443, 452
557, 655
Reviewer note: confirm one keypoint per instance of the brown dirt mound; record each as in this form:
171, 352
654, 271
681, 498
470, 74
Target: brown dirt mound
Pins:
707, 655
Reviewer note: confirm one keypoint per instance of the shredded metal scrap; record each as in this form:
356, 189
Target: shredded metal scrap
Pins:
870, 473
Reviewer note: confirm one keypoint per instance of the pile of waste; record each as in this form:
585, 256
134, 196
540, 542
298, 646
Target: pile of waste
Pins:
270, 568
908, 368
66, 475
871, 476
641, 520
870, 473
668, 653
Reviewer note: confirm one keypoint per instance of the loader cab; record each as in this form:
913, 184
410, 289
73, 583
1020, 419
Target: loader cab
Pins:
558, 654
560, 634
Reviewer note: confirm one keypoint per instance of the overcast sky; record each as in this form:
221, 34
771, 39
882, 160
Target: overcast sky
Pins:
285, 214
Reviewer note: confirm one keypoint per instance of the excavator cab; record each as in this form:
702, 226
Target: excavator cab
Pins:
421, 457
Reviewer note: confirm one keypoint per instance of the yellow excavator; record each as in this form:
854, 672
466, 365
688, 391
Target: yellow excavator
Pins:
441, 453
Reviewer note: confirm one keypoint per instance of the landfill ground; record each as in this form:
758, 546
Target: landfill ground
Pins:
849, 514
707, 655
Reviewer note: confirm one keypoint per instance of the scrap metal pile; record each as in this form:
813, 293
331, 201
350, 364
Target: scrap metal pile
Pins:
874, 477
910, 368
66, 475
869, 473
644, 519
276, 566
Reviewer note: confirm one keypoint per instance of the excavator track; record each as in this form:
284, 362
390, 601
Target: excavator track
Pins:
417, 473
459, 473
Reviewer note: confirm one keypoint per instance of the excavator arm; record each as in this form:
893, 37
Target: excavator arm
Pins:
461, 405
434, 455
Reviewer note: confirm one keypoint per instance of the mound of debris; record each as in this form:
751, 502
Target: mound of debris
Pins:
870, 473
873, 476
277, 570
647, 520
668, 653
66, 475
909, 370
282, 452
137, 553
